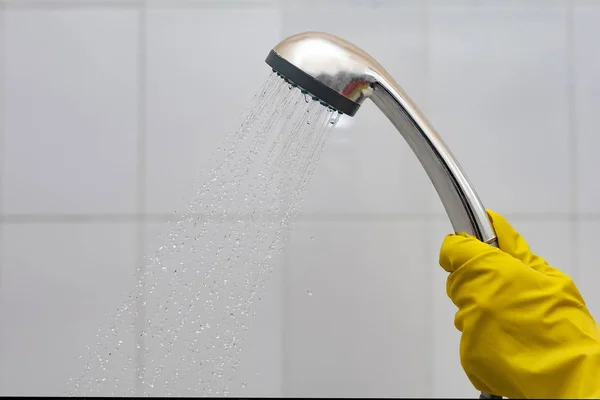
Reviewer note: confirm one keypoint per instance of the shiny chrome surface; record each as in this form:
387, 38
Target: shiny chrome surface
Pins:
357, 76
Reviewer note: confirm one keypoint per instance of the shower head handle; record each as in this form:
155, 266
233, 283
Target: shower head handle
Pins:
343, 76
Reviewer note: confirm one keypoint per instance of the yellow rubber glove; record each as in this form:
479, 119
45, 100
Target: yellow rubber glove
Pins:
526, 331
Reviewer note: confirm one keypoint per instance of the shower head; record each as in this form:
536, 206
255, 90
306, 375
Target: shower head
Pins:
329, 68
342, 76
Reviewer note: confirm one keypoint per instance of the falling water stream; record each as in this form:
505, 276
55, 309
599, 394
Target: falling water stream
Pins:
199, 292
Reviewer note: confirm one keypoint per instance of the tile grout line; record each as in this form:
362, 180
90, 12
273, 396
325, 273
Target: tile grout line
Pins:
209, 4
3, 41
286, 322
429, 226
133, 4
72, 4
140, 321
303, 217
572, 130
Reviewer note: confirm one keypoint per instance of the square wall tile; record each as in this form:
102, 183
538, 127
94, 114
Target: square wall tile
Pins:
357, 310
219, 299
546, 238
59, 282
70, 122
499, 98
204, 66
587, 97
367, 166
589, 268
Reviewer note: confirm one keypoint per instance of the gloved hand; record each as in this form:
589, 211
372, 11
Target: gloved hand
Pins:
526, 331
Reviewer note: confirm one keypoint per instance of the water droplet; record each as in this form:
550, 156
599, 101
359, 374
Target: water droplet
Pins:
309, 292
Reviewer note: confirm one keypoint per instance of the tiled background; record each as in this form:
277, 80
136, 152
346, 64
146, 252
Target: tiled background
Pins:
109, 106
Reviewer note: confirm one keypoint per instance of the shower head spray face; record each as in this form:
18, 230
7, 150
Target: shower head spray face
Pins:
342, 76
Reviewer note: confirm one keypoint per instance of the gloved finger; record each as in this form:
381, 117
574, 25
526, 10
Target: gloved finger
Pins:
511, 242
460, 248
482, 277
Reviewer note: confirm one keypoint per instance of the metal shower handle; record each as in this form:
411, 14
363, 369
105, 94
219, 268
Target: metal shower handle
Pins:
463, 206
343, 76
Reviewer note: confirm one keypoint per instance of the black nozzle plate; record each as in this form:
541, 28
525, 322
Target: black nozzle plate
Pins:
311, 85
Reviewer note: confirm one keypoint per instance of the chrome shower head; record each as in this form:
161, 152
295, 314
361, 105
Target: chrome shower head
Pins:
329, 68
342, 76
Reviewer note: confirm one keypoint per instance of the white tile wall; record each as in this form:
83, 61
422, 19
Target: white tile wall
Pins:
109, 110
196, 87
356, 306
499, 97
58, 282
586, 54
71, 111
